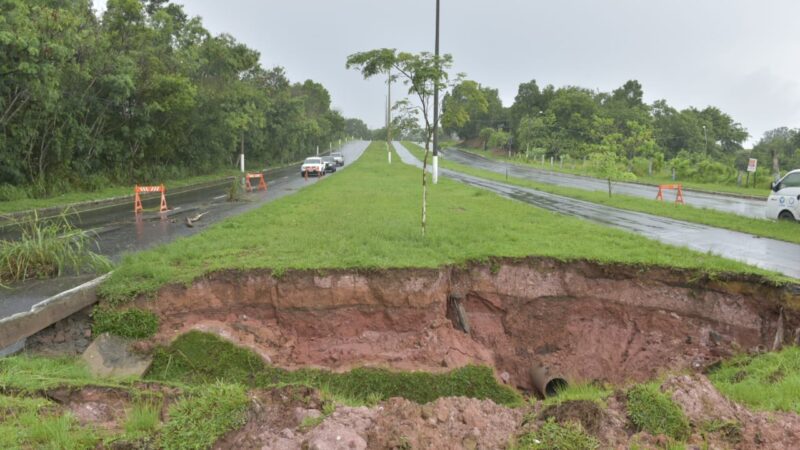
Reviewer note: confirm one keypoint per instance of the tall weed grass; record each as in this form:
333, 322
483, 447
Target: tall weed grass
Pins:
47, 248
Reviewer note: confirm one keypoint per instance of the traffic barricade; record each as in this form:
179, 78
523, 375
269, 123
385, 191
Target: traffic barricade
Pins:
675, 187
137, 199
262, 184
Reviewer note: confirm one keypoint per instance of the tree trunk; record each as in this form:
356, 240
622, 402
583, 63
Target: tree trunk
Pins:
609, 187
776, 166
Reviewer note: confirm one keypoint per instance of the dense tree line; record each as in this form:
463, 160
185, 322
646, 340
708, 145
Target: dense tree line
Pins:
143, 93
574, 123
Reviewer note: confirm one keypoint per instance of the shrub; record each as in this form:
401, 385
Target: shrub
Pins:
130, 323
654, 412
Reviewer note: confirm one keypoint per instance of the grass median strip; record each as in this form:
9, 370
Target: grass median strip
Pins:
784, 231
369, 217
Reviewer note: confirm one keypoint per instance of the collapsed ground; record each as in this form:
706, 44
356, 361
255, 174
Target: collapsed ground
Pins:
249, 350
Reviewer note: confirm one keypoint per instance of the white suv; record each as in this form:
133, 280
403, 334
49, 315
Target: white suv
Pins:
784, 200
314, 165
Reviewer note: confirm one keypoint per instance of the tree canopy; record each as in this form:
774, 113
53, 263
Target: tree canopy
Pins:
143, 93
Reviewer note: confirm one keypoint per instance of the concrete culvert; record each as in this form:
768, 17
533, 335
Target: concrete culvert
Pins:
544, 383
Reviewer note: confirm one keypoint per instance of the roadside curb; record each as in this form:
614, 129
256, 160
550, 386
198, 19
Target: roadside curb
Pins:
90, 205
721, 194
20, 326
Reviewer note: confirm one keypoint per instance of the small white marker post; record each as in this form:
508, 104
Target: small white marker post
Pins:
436, 169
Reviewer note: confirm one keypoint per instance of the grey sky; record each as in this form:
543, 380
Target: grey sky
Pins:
742, 56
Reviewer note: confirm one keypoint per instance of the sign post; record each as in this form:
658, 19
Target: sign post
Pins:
752, 165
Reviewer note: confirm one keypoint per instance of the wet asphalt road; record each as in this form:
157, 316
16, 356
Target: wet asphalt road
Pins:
765, 253
730, 204
120, 232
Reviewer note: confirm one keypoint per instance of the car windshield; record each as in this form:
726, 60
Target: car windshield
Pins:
336, 154
312, 160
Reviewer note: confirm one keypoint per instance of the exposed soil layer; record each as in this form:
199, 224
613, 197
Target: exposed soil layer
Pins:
582, 320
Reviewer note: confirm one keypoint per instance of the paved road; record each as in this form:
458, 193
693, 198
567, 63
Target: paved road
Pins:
729, 204
120, 232
766, 253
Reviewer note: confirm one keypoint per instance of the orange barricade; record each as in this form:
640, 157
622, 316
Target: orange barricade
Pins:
677, 187
262, 185
137, 199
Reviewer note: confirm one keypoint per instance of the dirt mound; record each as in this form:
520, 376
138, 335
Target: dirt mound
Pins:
589, 414
728, 423
278, 419
97, 406
583, 321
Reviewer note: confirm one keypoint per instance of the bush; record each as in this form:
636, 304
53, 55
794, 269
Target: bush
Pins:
654, 412
10, 193
552, 435
131, 323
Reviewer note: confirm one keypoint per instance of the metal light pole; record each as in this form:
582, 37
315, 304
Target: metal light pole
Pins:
436, 105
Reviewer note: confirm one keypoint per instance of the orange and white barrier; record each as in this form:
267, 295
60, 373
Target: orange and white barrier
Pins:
676, 187
262, 184
137, 199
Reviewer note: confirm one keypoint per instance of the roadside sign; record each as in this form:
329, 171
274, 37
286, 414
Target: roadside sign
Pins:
752, 163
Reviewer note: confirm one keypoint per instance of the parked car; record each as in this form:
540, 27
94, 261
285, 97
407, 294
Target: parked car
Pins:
338, 157
312, 166
784, 200
330, 164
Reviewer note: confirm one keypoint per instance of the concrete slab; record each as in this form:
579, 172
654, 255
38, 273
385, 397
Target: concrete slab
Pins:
112, 356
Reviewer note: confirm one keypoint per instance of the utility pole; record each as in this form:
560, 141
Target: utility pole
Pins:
241, 155
436, 104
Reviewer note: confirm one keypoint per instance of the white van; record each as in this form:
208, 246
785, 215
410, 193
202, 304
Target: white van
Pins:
784, 200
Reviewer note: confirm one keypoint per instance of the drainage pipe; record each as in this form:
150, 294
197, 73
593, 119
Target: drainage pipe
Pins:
545, 383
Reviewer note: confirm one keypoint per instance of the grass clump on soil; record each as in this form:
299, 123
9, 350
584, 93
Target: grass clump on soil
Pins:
553, 435
376, 225
781, 230
130, 323
768, 382
34, 373
654, 412
143, 419
202, 417
197, 358
579, 392
49, 248
31, 423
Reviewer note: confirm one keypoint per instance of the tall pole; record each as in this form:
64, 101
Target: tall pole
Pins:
389, 112
705, 134
436, 104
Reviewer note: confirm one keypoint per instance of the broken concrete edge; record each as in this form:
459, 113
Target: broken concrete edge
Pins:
18, 327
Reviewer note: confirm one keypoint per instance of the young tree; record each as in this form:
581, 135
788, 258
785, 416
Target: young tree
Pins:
422, 73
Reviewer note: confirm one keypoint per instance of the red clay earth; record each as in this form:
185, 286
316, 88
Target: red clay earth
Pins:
582, 320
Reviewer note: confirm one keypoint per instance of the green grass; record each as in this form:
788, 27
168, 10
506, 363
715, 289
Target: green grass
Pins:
202, 417
584, 391
108, 192
762, 190
376, 224
130, 323
49, 248
769, 382
197, 358
781, 230
144, 418
30, 423
552, 435
31, 373
653, 411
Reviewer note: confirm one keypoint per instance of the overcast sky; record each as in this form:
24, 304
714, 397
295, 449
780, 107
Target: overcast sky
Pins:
742, 56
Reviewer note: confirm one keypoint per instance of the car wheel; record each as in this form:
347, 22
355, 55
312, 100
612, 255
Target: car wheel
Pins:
786, 215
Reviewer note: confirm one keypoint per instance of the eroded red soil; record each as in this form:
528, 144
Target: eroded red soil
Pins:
581, 320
